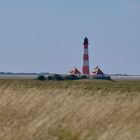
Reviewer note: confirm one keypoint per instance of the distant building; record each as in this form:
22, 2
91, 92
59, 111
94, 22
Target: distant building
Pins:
75, 71
85, 69
98, 74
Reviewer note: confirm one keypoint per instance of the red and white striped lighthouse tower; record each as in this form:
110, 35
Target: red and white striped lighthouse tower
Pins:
86, 57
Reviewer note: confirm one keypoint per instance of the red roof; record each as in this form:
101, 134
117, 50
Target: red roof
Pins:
97, 71
74, 71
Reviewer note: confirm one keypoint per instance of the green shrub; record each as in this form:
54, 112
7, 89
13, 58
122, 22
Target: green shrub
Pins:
71, 77
83, 77
41, 78
50, 77
58, 77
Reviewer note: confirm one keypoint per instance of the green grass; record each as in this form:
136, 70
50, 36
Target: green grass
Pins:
90, 84
69, 110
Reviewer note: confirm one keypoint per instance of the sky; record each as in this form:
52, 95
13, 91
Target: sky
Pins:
47, 35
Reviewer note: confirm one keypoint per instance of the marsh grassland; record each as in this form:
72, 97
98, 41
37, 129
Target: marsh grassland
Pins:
69, 110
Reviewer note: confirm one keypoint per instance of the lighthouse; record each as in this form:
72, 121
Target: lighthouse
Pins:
85, 58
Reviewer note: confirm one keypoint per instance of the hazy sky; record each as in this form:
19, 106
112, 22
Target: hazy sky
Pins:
47, 35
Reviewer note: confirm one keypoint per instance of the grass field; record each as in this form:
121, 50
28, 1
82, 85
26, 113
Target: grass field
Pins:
69, 110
